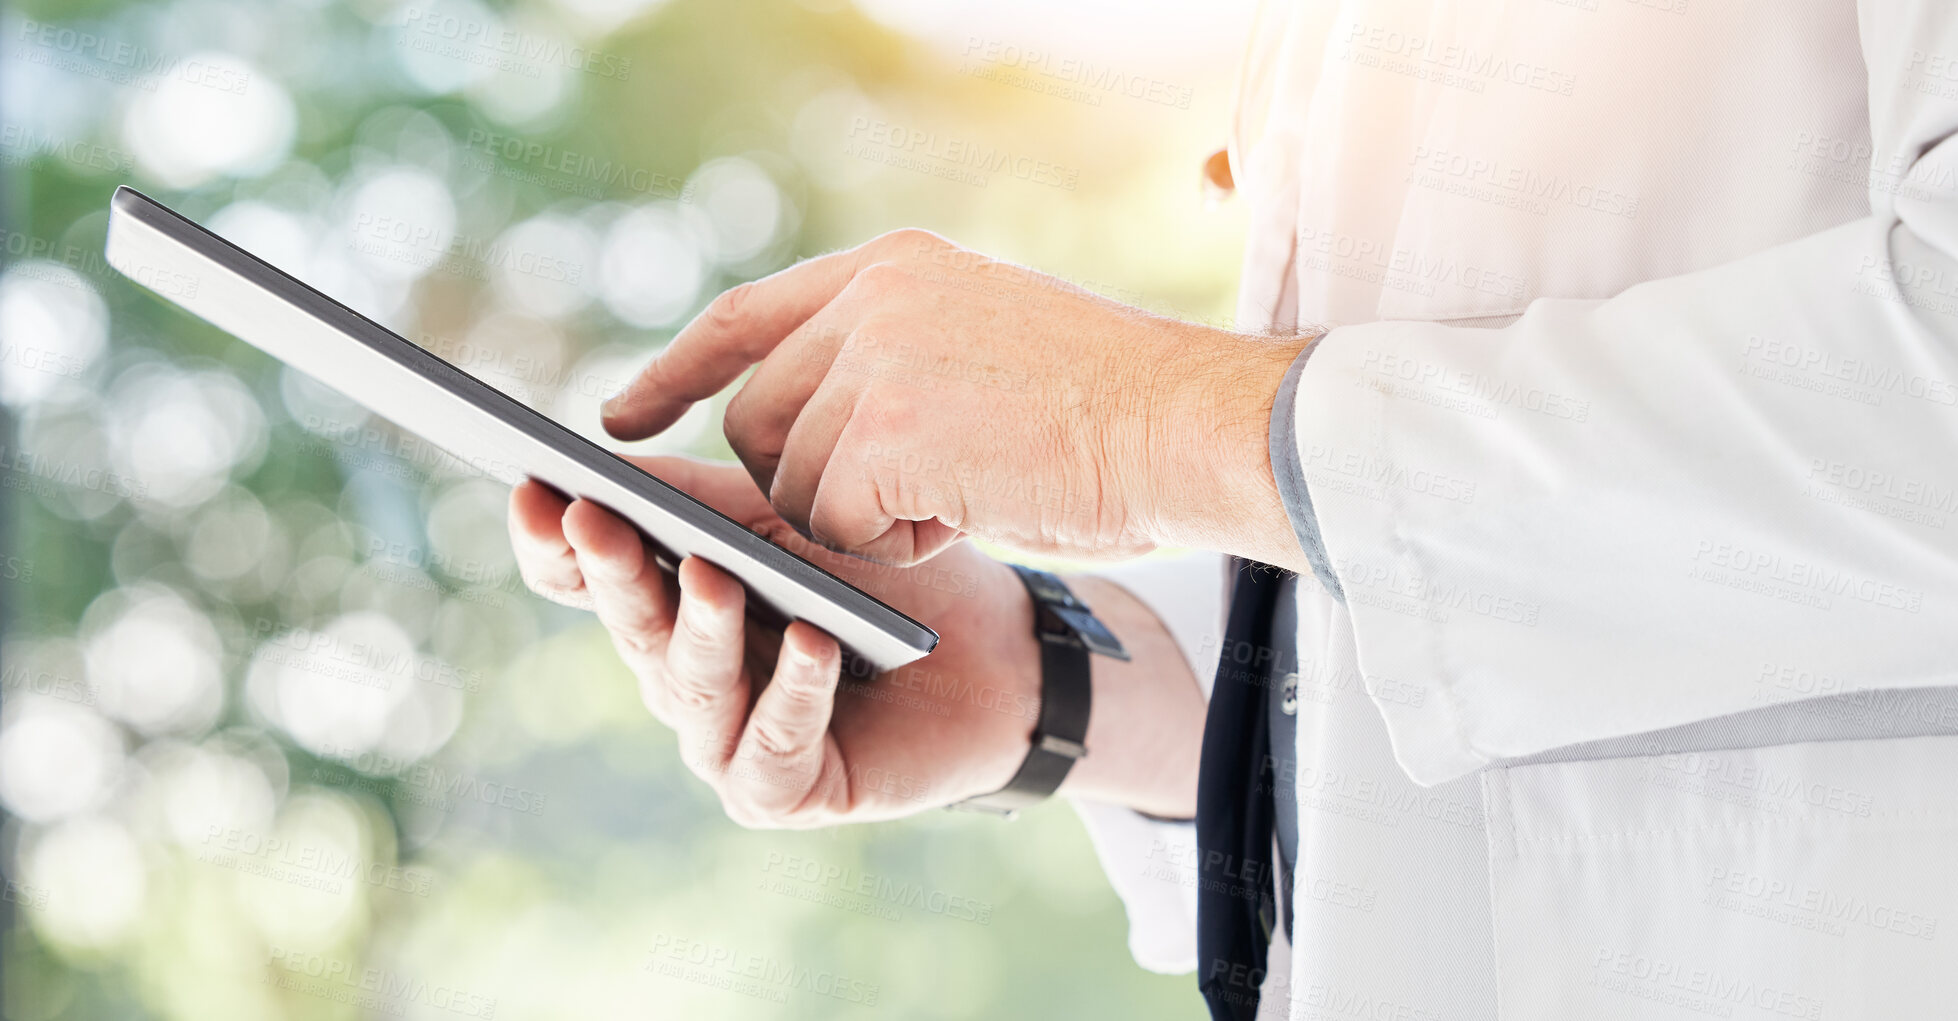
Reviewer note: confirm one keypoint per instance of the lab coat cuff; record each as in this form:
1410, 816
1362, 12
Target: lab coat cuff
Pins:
1289, 471
1351, 467
1151, 864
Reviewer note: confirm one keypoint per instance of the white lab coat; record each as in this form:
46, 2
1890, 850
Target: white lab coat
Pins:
1639, 409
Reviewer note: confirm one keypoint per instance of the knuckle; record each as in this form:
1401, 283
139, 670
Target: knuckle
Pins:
880, 278
912, 241
892, 414
689, 693
573, 596
825, 526
820, 346
774, 738
531, 579
803, 698
701, 634
778, 494
650, 380
729, 310
636, 642
738, 421
878, 331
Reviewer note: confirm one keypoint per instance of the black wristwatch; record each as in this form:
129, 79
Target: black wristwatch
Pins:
1068, 633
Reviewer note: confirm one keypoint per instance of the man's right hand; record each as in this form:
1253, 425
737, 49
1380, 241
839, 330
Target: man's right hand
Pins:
908, 392
761, 715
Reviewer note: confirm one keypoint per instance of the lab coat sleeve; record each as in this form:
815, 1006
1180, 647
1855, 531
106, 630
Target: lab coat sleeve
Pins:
1151, 863
1614, 516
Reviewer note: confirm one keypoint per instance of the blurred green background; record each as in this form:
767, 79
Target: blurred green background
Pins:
218, 804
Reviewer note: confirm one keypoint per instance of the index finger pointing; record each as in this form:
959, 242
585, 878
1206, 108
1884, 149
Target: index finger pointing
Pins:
734, 331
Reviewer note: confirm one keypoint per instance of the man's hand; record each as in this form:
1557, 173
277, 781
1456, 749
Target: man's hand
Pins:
910, 392
762, 717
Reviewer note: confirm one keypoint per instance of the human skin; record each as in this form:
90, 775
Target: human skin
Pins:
909, 394
765, 718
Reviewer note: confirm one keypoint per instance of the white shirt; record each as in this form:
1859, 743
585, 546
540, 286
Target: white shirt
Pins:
1639, 408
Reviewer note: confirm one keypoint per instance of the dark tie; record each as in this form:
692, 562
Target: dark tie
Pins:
1236, 905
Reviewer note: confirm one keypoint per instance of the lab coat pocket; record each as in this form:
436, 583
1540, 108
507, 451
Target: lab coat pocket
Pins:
1807, 881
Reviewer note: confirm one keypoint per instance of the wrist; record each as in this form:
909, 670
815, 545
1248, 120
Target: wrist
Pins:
1004, 736
1145, 725
1206, 461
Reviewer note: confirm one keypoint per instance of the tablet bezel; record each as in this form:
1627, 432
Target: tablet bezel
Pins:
871, 629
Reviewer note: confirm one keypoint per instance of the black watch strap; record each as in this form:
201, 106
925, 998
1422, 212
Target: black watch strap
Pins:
1069, 632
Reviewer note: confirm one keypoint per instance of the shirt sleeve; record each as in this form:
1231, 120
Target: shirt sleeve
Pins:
1151, 863
1614, 516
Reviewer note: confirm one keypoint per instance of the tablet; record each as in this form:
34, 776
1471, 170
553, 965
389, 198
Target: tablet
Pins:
486, 429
